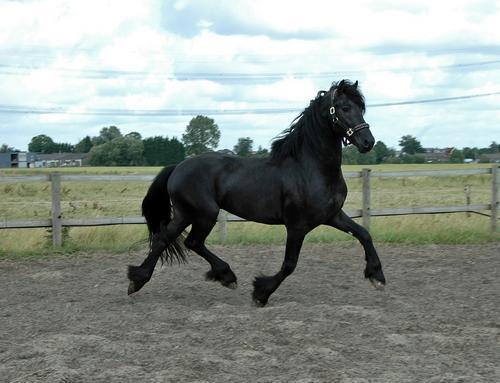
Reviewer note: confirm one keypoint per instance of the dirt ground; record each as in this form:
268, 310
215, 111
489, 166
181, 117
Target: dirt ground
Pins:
69, 319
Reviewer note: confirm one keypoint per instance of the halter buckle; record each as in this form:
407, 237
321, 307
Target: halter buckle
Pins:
349, 132
332, 110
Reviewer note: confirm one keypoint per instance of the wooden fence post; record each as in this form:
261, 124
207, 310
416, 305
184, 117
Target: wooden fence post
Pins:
495, 175
467, 191
222, 220
55, 180
365, 210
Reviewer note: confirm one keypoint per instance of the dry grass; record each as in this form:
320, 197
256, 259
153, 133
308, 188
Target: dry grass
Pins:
100, 199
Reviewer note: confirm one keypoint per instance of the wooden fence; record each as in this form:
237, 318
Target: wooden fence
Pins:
57, 221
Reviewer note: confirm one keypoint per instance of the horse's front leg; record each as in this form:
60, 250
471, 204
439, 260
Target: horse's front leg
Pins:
265, 286
373, 269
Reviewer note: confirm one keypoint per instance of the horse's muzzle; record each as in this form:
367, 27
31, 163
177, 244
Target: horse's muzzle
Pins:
362, 138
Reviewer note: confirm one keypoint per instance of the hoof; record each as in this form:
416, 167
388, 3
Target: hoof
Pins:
232, 286
258, 303
135, 286
131, 288
138, 278
263, 287
226, 279
377, 284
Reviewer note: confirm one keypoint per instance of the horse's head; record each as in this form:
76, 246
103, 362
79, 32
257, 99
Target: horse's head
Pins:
347, 106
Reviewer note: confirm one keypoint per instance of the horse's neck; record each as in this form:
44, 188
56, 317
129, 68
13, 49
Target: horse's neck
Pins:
330, 151
326, 159
322, 154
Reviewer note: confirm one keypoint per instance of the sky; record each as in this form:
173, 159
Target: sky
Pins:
70, 68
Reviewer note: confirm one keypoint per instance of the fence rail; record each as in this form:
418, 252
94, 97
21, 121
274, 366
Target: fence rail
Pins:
57, 221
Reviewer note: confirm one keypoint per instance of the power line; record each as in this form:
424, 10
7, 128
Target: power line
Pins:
179, 76
431, 100
19, 109
107, 74
13, 109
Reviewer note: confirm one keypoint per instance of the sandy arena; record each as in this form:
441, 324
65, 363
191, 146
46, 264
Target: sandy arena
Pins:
69, 319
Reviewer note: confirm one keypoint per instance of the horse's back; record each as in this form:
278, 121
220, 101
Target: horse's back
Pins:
247, 187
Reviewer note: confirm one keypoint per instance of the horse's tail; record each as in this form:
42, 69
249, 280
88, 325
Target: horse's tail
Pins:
157, 211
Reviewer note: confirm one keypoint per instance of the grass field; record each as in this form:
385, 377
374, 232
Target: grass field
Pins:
114, 199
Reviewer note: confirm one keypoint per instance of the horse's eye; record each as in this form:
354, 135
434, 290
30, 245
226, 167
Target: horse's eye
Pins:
346, 109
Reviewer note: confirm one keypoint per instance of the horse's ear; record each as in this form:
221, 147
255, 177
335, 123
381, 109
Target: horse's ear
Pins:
356, 84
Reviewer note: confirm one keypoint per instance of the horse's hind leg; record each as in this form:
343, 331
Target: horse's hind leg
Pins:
140, 275
220, 270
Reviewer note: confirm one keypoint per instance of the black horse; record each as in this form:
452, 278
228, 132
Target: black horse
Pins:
300, 185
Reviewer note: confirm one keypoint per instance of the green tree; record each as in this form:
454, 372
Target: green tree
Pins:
410, 145
261, 152
160, 151
471, 153
42, 144
6, 149
120, 151
84, 145
99, 156
202, 135
494, 147
382, 152
135, 135
63, 147
350, 155
457, 157
411, 159
369, 158
106, 134
176, 151
243, 147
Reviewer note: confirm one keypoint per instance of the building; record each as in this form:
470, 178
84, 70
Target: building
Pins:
57, 160
489, 158
436, 154
226, 151
17, 160
34, 160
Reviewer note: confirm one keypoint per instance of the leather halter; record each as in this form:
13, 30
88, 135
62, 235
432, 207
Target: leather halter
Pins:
348, 132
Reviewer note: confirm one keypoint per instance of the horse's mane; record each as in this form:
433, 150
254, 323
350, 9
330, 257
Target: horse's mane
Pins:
289, 142
301, 129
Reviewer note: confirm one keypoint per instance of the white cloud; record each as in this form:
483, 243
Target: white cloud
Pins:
288, 91
153, 54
